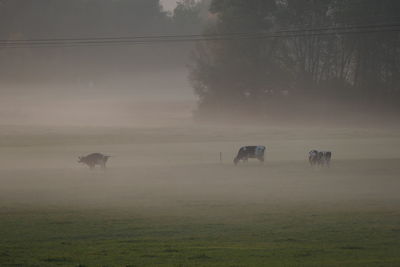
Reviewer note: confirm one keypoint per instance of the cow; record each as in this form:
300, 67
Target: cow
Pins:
94, 159
247, 152
319, 157
313, 157
325, 158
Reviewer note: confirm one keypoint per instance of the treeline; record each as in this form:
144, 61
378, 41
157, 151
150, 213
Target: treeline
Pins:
303, 72
53, 19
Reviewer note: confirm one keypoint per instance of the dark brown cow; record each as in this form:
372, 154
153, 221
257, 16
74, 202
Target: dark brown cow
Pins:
94, 159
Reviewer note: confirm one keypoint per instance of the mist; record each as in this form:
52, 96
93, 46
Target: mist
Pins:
159, 98
166, 96
121, 85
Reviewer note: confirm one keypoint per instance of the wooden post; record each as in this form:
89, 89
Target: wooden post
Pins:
220, 157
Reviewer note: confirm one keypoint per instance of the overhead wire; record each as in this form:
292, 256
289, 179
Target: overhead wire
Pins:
133, 40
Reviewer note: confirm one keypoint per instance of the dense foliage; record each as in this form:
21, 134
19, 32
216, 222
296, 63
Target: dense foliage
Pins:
267, 75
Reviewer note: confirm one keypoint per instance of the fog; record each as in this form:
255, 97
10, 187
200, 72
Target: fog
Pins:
176, 170
118, 85
173, 115
144, 99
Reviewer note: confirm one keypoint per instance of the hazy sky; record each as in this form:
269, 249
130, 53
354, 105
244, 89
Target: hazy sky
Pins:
169, 4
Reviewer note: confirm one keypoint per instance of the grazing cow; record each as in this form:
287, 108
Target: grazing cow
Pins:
247, 152
319, 157
94, 159
313, 157
325, 157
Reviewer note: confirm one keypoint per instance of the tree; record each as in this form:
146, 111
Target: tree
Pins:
190, 16
270, 74
226, 73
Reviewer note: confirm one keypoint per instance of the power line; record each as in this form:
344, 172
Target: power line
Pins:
222, 35
133, 40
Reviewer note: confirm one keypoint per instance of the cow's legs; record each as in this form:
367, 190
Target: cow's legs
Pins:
328, 162
103, 165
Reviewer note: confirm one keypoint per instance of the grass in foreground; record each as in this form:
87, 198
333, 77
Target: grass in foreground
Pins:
121, 238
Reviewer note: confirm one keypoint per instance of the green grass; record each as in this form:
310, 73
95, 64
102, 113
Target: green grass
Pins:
270, 238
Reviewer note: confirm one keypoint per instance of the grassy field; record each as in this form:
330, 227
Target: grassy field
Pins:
166, 200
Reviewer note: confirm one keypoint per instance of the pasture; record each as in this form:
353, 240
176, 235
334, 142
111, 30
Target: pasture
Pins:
166, 200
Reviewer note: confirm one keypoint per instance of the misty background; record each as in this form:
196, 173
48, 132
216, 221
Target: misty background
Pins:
323, 75
96, 85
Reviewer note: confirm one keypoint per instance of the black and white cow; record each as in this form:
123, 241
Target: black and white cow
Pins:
325, 157
94, 159
250, 152
319, 157
313, 157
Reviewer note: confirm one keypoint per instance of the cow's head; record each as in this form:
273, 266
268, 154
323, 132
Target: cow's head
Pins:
81, 159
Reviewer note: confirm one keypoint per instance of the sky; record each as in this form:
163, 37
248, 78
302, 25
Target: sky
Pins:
169, 4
